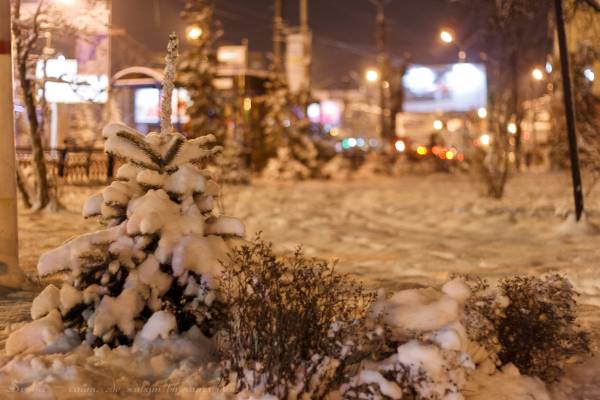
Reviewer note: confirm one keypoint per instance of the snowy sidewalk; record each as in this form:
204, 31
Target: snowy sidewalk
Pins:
393, 233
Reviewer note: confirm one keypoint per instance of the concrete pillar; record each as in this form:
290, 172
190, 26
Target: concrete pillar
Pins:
10, 273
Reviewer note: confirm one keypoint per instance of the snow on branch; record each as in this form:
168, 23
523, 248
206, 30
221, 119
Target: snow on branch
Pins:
172, 52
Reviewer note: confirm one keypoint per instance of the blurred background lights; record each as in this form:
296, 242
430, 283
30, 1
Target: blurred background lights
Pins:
446, 36
537, 74
420, 79
438, 125
372, 75
512, 128
482, 112
485, 139
589, 74
400, 146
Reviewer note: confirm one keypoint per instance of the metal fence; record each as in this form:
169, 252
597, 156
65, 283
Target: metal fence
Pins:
72, 165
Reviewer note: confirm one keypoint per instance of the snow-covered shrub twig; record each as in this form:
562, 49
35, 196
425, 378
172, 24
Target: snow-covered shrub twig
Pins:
538, 332
294, 323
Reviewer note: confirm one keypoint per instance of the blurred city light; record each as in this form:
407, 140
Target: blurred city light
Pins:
438, 125
372, 75
421, 150
482, 112
334, 132
537, 74
420, 80
193, 32
314, 112
512, 128
485, 139
247, 104
352, 142
589, 74
400, 146
549, 67
446, 36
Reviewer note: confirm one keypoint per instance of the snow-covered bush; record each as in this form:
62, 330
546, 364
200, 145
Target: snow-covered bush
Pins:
527, 321
285, 167
538, 331
152, 270
293, 323
431, 355
338, 167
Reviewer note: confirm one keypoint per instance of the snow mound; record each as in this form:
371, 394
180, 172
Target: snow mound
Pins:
572, 227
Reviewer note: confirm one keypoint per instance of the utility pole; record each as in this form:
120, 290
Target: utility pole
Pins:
569, 109
383, 65
307, 42
278, 38
10, 273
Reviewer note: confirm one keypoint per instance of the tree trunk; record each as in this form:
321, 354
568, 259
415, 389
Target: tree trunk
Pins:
42, 196
23, 189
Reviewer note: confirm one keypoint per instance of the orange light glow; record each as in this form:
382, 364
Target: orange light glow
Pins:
450, 155
421, 150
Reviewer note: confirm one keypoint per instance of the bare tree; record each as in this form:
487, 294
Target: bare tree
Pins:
27, 32
30, 29
513, 36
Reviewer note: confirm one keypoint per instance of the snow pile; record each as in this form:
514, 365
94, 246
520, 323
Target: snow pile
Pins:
572, 227
338, 168
434, 357
375, 164
286, 167
152, 270
181, 366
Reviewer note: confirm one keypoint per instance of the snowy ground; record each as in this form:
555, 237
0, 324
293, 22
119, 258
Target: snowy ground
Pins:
394, 233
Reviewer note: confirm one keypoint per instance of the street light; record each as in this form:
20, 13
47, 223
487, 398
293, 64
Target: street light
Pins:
193, 32
372, 75
446, 36
537, 74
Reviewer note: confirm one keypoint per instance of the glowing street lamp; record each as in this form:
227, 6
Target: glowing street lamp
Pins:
193, 32
537, 74
372, 75
512, 128
446, 36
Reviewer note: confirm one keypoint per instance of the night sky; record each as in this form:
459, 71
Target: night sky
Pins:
343, 39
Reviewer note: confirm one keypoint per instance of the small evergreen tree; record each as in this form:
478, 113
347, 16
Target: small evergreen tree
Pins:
197, 70
287, 135
152, 270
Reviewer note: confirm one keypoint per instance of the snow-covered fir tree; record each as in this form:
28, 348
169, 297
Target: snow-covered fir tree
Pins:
197, 70
152, 270
230, 165
287, 133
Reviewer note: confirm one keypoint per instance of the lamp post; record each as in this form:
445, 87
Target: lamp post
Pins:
10, 273
569, 109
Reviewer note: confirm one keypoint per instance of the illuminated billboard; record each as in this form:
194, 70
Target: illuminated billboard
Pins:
445, 88
147, 106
